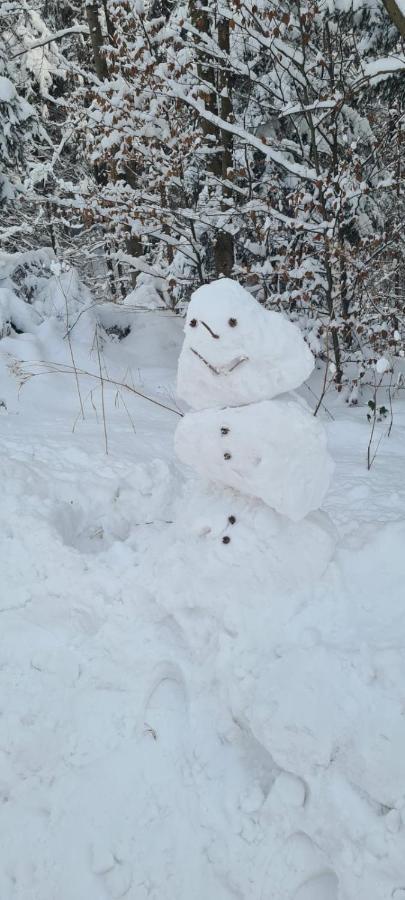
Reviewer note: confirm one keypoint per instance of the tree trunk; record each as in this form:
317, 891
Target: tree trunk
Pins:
224, 252
199, 14
97, 40
396, 15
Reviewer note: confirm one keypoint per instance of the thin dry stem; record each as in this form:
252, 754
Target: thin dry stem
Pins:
102, 391
52, 368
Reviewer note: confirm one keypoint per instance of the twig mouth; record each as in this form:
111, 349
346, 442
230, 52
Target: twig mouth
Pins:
224, 369
212, 333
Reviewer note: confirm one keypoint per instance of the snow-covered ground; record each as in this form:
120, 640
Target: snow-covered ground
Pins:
182, 718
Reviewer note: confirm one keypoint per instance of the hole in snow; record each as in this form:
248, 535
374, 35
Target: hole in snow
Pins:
85, 530
118, 332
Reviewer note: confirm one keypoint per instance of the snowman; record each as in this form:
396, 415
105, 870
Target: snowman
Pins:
248, 431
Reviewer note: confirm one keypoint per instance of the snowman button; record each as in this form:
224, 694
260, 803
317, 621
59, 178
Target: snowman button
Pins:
227, 456
224, 430
226, 540
231, 520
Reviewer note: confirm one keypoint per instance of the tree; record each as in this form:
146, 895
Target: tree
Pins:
19, 132
224, 138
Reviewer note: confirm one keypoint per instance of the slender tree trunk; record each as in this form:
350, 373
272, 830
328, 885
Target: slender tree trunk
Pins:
97, 40
395, 12
200, 17
224, 251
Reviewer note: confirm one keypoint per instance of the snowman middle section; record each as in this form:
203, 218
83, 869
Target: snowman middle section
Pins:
273, 450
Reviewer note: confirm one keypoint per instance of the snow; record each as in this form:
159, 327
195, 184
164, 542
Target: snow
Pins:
382, 365
183, 717
272, 450
380, 69
236, 352
8, 92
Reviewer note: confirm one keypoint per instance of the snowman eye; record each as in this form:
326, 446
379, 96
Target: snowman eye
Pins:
193, 323
232, 322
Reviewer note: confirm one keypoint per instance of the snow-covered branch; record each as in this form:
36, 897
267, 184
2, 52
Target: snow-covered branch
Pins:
246, 136
49, 39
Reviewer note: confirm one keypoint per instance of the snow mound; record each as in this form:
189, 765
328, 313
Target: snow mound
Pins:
236, 352
272, 450
228, 553
15, 314
275, 629
200, 698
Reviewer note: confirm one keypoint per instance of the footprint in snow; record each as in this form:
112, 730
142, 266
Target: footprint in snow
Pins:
165, 717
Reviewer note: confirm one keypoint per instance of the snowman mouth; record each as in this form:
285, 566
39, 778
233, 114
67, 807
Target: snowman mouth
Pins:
225, 369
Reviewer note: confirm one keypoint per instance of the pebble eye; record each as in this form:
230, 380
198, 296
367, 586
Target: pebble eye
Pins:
232, 322
193, 323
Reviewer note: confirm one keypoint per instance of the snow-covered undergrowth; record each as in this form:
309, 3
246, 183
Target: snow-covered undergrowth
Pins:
182, 717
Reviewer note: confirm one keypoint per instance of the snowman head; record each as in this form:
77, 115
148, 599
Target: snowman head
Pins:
222, 317
237, 352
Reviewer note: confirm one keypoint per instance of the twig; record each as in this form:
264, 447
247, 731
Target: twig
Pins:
391, 408
371, 458
120, 396
212, 368
71, 349
89, 394
102, 392
63, 369
221, 370
326, 375
316, 398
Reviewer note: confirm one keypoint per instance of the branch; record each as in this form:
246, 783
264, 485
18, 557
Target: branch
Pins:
278, 158
75, 29
63, 369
